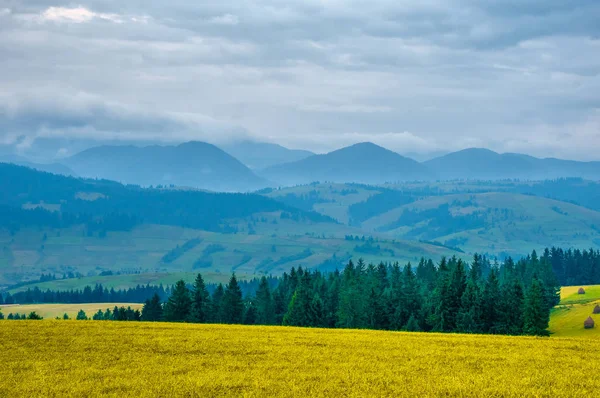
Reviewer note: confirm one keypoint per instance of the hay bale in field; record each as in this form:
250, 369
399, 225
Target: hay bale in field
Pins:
581, 291
597, 309
589, 323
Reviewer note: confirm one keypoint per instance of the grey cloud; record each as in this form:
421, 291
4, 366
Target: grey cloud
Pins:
417, 75
80, 115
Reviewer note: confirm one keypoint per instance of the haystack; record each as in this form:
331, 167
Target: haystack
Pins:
589, 323
581, 291
597, 309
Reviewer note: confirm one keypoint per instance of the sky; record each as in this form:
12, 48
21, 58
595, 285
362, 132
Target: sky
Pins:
422, 76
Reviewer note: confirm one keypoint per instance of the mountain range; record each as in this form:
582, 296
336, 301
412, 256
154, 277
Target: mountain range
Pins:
483, 164
248, 166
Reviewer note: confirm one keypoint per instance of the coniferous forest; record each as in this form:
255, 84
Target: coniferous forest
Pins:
452, 296
511, 298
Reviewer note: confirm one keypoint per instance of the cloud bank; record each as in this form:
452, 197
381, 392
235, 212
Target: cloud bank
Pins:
414, 76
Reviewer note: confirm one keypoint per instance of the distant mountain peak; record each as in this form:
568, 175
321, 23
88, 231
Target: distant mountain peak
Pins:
186, 164
363, 162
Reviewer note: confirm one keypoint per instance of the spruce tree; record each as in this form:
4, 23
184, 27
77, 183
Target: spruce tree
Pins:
298, 313
217, 301
412, 325
490, 303
232, 306
265, 306
98, 316
469, 316
250, 314
511, 308
536, 315
317, 311
352, 301
200, 302
81, 316
375, 311
152, 310
179, 305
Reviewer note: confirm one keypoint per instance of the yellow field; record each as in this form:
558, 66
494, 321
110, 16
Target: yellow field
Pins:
59, 358
51, 311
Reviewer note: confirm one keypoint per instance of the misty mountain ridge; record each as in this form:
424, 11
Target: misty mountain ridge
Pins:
260, 155
363, 162
193, 164
250, 165
480, 163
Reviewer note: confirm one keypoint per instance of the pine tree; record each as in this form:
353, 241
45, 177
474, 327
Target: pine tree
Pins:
98, 316
34, 316
352, 309
66, 316
152, 310
200, 302
412, 325
217, 301
375, 311
298, 313
250, 314
511, 308
232, 306
452, 299
490, 303
265, 306
536, 314
316, 312
81, 316
469, 316
179, 305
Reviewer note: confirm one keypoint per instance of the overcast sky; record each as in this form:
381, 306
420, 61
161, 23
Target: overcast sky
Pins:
414, 76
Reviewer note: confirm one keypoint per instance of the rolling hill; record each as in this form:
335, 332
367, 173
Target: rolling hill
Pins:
364, 162
192, 164
260, 155
478, 163
498, 218
498, 223
56, 224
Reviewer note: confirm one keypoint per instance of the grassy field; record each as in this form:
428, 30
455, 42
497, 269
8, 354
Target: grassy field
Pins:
569, 295
566, 320
58, 358
51, 311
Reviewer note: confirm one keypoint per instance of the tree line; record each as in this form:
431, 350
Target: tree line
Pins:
89, 294
574, 266
451, 296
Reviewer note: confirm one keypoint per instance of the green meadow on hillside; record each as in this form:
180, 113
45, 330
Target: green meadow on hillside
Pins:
566, 320
483, 217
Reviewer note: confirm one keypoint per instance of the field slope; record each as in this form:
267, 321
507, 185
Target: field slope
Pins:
566, 320
71, 358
